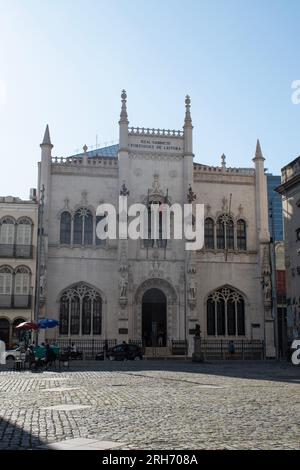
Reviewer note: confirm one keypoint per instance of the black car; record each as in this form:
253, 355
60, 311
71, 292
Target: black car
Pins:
121, 352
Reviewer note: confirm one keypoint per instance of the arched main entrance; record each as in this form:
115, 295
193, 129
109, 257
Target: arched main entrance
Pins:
154, 318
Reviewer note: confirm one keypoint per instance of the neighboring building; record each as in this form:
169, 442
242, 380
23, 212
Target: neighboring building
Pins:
18, 237
154, 290
290, 191
281, 298
277, 237
275, 207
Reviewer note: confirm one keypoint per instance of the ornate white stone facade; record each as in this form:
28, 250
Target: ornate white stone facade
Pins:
157, 166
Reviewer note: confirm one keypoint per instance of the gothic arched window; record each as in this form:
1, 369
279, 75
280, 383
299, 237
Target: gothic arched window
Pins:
64, 315
78, 225
97, 316
80, 311
83, 227
86, 315
75, 315
65, 228
229, 229
225, 313
99, 241
241, 235
225, 232
158, 242
88, 228
220, 235
209, 236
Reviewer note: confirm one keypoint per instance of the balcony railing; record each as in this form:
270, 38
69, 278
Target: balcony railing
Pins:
16, 251
15, 301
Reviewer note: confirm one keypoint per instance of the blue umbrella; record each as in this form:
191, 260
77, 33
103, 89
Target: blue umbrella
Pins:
48, 323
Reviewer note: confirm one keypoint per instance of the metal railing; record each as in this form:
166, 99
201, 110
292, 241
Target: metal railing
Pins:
16, 251
211, 348
89, 347
179, 346
243, 349
15, 301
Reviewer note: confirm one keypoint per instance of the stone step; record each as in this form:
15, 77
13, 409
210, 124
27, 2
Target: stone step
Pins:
157, 352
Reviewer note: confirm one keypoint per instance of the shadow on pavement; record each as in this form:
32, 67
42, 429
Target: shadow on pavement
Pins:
13, 437
255, 370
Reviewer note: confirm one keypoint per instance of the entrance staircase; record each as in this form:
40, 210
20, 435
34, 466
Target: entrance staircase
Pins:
161, 353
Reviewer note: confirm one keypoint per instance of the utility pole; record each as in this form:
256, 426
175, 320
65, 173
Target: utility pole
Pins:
39, 256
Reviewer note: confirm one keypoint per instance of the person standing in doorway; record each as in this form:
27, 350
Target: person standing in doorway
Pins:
231, 348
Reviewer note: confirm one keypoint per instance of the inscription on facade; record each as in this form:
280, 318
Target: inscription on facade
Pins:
155, 144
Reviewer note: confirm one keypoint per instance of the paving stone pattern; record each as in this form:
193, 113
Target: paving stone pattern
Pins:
154, 405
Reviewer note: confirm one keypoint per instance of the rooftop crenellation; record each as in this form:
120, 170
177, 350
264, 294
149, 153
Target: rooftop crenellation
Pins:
143, 131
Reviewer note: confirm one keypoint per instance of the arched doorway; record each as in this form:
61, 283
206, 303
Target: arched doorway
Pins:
154, 318
4, 331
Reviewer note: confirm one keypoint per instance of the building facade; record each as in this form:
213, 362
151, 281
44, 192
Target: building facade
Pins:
275, 208
277, 246
18, 239
155, 290
290, 191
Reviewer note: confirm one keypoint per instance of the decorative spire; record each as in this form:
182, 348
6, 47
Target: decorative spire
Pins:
85, 148
258, 152
223, 161
187, 119
123, 115
191, 196
46, 139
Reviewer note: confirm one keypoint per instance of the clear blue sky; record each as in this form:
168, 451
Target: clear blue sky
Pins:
64, 62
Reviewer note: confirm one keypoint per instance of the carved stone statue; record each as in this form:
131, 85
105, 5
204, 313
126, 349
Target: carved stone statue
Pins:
267, 289
192, 289
123, 287
43, 283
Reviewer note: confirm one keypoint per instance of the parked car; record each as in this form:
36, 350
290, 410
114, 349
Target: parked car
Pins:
73, 354
13, 354
118, 353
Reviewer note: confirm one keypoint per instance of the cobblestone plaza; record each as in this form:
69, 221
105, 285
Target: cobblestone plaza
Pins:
154, 405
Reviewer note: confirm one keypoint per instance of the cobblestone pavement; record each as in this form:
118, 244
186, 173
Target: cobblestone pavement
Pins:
154, 405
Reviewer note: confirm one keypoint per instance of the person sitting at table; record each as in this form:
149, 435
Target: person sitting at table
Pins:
50, 356
30, 358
